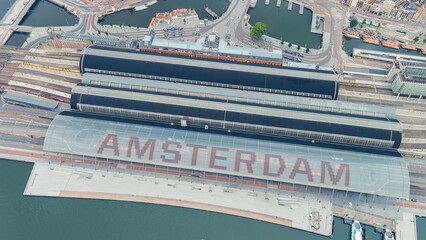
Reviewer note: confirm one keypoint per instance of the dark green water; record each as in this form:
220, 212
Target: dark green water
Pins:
143, 18
421, 228
287, 25
17, 39
349, 44
45, 14
45, 218
4, 6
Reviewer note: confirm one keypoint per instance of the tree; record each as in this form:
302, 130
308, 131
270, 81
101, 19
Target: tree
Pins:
282, 41
361, 26
258, 30
354, 22
371, 22
298, 47
184, 21
307, 50
416, 39
378, 24
289, 44
424, 40
364, 21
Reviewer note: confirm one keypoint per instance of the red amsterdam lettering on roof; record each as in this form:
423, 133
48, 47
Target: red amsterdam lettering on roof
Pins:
195, 149
239, 154
307, 171
214, 157
149, 144
267, 165
335, 179
176, 154
114, 144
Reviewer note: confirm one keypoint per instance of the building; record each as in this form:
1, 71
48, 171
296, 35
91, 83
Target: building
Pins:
387, 6
222, 133
354, 3
246, 113
236, 159
211, 70
410, 79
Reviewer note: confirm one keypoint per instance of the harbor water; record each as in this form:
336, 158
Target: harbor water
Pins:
289, 26
143, 18
46, 14
47, 218
421, 228
5, 5
349, 44
17, 39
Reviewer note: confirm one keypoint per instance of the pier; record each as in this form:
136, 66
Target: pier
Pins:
301, 9
266, 2
290, 5
210, 12
279, 3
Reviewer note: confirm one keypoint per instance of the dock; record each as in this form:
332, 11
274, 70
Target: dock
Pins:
266, 2
135, 185
210, 12
279, 3
301, 9
290, 5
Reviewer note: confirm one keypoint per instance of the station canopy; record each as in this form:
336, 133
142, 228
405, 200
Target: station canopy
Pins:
119, 139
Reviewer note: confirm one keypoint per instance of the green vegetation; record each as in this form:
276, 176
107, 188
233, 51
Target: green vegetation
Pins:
416, 39
289, 44
378, 24
307, 50
361, 26
258, 30
354, 22
298, 47
364, 21
371, 22
424, 40
184, 20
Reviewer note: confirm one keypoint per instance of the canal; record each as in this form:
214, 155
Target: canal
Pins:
286, 25
47, 218
46, 14
5, 5
143, 18
349, 44
17, 39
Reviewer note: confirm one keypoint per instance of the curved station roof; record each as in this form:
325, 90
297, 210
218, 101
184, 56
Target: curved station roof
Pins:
132, 63
134, 141
230, 115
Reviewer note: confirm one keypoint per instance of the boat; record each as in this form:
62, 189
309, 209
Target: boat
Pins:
408, 47
351, 36
371, 41
151, 3
356, 230
141, 7
390, 45
388, 235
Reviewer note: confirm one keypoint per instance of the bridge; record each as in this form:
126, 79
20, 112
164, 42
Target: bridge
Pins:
20, 28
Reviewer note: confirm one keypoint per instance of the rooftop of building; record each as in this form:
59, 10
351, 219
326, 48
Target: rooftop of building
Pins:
106, 137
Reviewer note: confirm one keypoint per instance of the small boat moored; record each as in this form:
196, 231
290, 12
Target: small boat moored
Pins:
356, 231
348, 35
408, 47
390, 45
371, 41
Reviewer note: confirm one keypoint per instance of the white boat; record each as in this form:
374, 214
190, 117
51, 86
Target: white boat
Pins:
356, 231
141, 7
388, 235
151, 3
